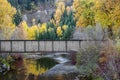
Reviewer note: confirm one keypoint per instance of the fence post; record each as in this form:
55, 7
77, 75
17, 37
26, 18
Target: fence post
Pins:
0, 47
24, 46
52, 46
11, 45
66, 45
79, 44
38, 47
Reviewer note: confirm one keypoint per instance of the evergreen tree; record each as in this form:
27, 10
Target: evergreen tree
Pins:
17, 18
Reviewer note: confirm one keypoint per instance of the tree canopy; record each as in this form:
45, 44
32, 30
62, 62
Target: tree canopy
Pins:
105, 12
6, 18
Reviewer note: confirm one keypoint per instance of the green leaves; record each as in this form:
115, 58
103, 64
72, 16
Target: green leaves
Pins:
67, 19
67, 26
87, 60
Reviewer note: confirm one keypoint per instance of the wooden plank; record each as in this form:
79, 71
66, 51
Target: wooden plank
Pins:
32, 46
73, 45
6, 46
18, 46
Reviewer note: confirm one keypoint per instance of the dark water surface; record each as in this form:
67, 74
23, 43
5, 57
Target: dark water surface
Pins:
26, 69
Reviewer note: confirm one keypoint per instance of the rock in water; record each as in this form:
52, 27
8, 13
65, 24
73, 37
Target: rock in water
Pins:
60, 72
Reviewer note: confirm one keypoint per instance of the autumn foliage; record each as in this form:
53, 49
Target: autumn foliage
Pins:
91, 12
82, 12
6, 16
60, 27
103, 62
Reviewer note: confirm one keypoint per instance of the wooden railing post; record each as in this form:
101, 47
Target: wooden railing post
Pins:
52, 46
66, 45
79, 44
25, 46
0, 46
11, 45
38, 47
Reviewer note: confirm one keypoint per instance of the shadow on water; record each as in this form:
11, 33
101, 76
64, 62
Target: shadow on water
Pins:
46, 62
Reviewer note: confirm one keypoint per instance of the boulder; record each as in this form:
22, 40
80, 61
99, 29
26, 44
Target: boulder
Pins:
60, 72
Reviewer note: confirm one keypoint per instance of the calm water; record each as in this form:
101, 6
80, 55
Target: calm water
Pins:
28, 69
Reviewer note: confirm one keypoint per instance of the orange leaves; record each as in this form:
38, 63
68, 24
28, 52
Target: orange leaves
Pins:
109, 61
108, 53
103, 57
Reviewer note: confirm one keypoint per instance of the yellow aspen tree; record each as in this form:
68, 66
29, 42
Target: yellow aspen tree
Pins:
68, 9
6, 16
64, 27
59, 31
24, 27
84, 13
108, 14
19, 33
59, 11
32, 31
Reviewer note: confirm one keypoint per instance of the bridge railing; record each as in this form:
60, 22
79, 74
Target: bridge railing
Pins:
32, 46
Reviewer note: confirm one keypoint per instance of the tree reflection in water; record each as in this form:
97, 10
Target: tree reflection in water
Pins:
23, 69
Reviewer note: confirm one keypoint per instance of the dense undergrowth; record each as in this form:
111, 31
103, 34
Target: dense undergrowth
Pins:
100, 63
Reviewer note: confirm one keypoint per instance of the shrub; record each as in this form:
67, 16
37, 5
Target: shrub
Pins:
117, 45
87, 60
5, 63
109, 62
103, 62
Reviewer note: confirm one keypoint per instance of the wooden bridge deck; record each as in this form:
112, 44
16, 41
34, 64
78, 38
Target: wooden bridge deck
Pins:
32, 46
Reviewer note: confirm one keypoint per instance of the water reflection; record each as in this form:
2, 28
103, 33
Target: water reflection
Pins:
27, 69
32, 68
